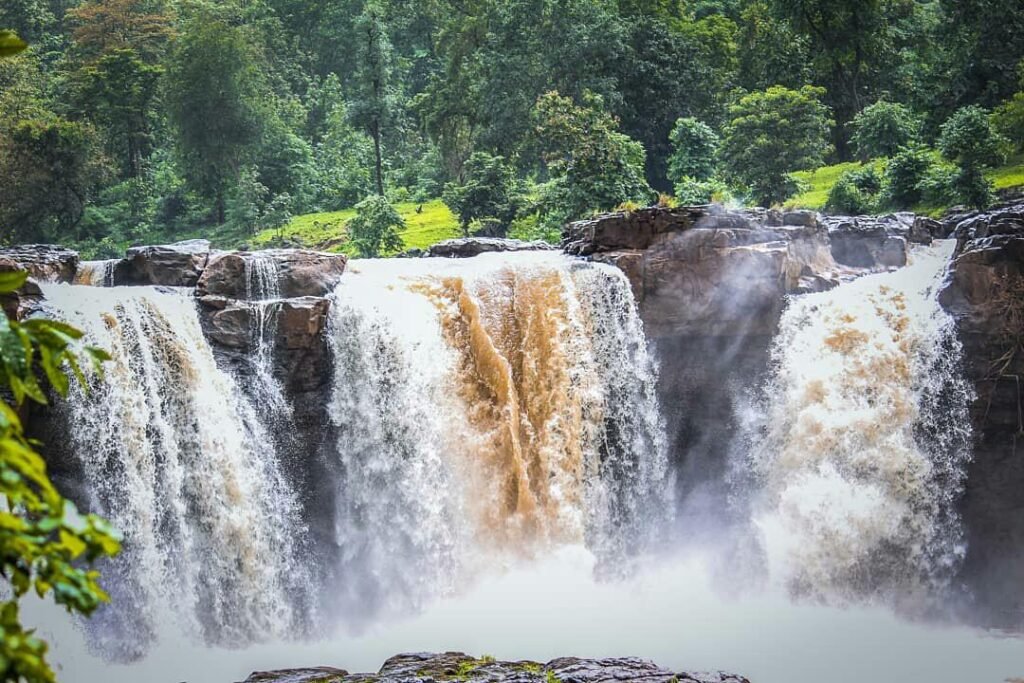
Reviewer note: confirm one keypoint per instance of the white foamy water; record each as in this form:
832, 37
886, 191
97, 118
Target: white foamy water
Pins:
863, 438
174, 456
499, 484
487, 409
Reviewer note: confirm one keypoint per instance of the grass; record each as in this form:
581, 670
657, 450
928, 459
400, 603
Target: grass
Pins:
326, 231
1011, 175
820, 181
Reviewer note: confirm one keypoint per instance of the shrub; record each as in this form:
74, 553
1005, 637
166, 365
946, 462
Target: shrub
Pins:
488, 194
967, 138
690, 191
855, 192
904, 174
374, 229
694, 151
1008, 121
882, 128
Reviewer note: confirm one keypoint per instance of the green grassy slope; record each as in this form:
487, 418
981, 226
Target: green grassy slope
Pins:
820, 181
435, 222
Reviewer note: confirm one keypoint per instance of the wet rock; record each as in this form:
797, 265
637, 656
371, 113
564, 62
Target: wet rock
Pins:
627, 230
171, 265
44, 262
300, 272
466, 247
455, 666
868, 242
984, 291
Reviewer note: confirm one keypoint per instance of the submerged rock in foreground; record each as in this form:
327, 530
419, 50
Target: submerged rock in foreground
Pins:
458, 667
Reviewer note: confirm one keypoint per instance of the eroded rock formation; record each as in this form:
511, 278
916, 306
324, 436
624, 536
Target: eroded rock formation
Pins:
711, 285
985, 294
455, 666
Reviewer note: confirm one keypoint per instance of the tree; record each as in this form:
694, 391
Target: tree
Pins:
593, 166
120, 44
853, 45
1008, 120
968, 140
771, 134
48, 170
488, 191
104, 26
904, 174
694, 150
882, 128
117, 91
375, 227
375, 104
213, 94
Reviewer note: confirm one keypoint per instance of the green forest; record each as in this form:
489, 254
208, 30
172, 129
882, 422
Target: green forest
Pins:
373, 126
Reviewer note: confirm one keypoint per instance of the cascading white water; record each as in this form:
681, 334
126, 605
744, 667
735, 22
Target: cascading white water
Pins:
96, 273
263, 294
488, 408
174, 456
863, 440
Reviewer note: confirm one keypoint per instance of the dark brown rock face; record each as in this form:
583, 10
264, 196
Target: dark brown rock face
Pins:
44, 262
300, 273
466, 247
171, 265
985, 294
455, 666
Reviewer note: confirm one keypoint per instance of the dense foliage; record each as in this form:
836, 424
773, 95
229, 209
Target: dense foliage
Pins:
46, 546
145, 120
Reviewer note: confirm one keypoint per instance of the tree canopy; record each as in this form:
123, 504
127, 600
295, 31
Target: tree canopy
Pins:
150, 120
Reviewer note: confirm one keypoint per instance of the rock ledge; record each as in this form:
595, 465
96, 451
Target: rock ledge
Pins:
456, 667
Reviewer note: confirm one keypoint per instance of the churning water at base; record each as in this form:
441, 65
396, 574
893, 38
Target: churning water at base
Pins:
173, 455
488, 408
863, 439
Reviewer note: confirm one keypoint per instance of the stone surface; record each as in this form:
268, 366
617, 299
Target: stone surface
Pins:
44, 262
985, 294
301, 272
466, 247
458, 667
868, 242
170, 265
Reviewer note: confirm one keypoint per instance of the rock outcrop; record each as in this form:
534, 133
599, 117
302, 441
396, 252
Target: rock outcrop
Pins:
711, 285
299, 272
44, 263
170, 265
466, 247
985, 294
454, 666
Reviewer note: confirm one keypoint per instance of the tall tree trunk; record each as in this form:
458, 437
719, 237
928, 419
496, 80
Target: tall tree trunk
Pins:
220, 208
378, 164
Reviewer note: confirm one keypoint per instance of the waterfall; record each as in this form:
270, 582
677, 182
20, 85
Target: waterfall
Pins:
263, 294
96, 273
863, 440
488, 408
176, 458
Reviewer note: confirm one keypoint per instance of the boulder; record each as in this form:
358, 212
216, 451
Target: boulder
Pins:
169, 265
300, 272
466, 247
868, 242
455, 666
44, 262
